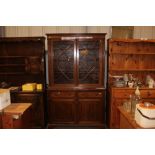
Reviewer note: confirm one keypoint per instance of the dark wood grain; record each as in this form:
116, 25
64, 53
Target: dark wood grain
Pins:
80, 103
22, 60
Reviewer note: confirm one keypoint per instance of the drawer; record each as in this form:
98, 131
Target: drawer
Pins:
126, 93
90, 94
147, 93
62, 94
123, 93
35, 99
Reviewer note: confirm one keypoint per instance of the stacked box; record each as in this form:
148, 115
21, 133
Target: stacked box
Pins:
4, 98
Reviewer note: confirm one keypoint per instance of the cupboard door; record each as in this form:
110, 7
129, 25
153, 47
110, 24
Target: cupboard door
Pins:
62, 111
91, 111
63, 65
89, 67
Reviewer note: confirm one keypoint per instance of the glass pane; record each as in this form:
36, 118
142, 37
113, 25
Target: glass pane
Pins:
89, 62
63, 62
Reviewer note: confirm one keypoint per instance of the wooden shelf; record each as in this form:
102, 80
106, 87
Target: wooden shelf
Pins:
3, 57
121, 53
133, 40
11, 65
12, 73
137, 70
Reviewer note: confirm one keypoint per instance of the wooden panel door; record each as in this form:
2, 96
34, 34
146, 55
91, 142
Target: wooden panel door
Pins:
91, 111
62, 111
61, 70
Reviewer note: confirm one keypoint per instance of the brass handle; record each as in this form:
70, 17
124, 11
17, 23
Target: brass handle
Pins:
100, 93
59, 93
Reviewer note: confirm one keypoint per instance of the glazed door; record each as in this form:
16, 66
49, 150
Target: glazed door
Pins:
77, 62
90, 65
63, 53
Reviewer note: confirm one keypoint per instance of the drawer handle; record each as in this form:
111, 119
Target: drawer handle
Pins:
148, 93
59, 93
100, 93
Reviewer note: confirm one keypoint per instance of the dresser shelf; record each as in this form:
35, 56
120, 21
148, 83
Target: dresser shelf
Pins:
129, 56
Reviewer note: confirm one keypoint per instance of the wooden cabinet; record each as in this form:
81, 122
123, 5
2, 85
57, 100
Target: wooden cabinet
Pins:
119, 95
129, 56
22, 60
61, 107
76, 79
76, 108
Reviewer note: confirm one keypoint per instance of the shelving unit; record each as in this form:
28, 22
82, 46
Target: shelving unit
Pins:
132, 56
129, 56
22, 60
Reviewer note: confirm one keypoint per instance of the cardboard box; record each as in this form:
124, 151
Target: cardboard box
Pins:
4, 98
29, 87
39, 86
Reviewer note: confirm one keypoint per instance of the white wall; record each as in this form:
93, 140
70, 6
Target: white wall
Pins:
144, 32
19, 31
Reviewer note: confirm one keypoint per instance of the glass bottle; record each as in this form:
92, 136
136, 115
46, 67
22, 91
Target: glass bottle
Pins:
135, 100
